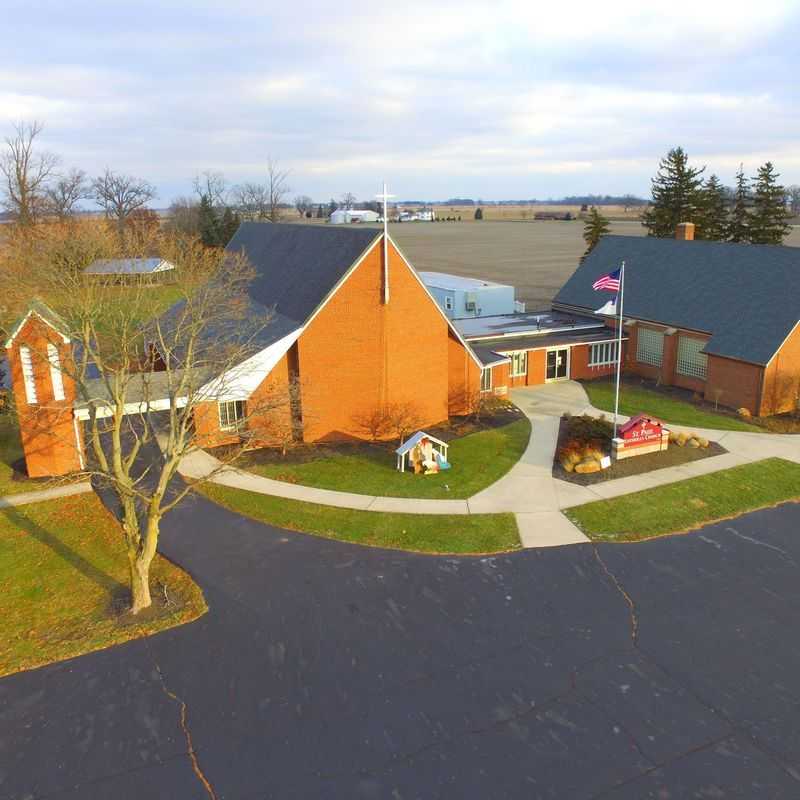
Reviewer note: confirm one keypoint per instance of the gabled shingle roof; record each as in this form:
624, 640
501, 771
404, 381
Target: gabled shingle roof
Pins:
298, 265
746, 296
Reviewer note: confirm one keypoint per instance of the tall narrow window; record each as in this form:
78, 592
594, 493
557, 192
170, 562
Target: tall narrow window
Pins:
519, 363
27, 375
486, 379
55, 372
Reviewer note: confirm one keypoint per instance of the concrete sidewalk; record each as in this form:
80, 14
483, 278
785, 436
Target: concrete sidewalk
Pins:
53, 493
528, 489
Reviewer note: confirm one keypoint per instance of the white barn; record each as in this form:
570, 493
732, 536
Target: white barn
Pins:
342, 216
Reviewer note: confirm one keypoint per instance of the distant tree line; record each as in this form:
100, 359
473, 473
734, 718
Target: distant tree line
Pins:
755, 210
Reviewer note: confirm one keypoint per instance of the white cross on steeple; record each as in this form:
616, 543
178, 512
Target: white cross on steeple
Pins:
384, 196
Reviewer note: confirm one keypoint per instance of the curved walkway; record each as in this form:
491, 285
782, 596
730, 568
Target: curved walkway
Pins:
528, 489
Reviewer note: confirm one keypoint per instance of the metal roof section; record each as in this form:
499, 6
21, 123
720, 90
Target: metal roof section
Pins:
489, 358
534, 323
128, 266
410, 443
445, 280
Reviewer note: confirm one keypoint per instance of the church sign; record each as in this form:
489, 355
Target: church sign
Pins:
640, 435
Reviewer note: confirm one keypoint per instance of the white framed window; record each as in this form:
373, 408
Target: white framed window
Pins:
649, 347
27, 375
691, 361
231, 415
448, 303
55, 372
603, 353
486, 379
519, 363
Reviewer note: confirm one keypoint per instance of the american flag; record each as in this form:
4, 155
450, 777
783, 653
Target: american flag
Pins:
608, 283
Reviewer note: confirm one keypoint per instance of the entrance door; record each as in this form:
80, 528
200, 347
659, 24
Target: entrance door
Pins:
557, 365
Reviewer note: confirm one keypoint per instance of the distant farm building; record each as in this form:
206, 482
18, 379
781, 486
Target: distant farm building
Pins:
343, 216
416, 216
131, 270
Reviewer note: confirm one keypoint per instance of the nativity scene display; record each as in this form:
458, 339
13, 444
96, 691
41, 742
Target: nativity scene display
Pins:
422, 453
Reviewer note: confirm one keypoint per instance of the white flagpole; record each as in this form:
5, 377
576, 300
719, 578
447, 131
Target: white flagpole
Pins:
619, 345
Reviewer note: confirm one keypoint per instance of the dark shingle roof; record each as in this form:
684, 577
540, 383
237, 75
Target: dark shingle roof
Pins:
746, 296
298, 265
487, 356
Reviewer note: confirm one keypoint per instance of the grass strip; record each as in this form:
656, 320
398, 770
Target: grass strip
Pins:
425, 533
689, 504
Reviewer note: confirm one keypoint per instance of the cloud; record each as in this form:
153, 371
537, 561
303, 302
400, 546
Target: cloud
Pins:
497, 100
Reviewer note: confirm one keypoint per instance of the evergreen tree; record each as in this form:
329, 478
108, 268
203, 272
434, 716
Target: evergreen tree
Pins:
739, 222
208, 223
676, 194
712, 221
320, 211
332, 206
596, 226
478, 213
228, 226
769, 222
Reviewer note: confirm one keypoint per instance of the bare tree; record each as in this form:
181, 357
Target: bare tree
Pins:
120, 195
277, 187
212, 185
793, 199
25, 173
252, 199
303, 203
63, 196
348, 200
183, 216
155, 383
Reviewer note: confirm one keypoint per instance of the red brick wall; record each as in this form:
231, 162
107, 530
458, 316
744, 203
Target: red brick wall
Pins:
47, 428
734, 384
359, 354
579, 368
782, 377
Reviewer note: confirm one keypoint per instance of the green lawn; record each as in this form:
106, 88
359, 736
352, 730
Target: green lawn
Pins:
478, 460
64, 575
429, 533
689, 504
11, 453
633, 399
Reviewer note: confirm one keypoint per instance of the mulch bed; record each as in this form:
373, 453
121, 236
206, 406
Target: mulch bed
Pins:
456, 428
673, 456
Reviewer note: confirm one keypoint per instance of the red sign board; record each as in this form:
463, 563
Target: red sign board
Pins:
641, 429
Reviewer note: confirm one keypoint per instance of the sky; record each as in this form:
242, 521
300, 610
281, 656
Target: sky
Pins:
492, 100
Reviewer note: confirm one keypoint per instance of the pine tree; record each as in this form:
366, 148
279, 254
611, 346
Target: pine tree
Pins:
769, 221
596, 226
676, 194
228, 226
739, 222
712, 221
208, 223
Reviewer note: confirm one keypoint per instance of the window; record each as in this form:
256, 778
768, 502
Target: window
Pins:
519, 364
691, 361
649, 347
55, 372
486, 379
603, 354
27, 375
448, 303
231, 415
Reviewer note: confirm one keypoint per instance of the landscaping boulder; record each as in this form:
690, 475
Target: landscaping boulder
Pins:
681, 439
744, 413
693, 442
588, 466
703, 442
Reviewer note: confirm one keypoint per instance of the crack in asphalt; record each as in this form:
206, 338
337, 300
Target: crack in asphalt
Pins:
192, 753
634, 616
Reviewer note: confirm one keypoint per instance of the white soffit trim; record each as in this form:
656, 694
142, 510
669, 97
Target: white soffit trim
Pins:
22, 322
104, 410
241, 381
436, 305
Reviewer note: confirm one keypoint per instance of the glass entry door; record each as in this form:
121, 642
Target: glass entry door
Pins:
557, 365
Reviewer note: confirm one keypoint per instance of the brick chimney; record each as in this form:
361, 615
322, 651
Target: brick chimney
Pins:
685, 231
